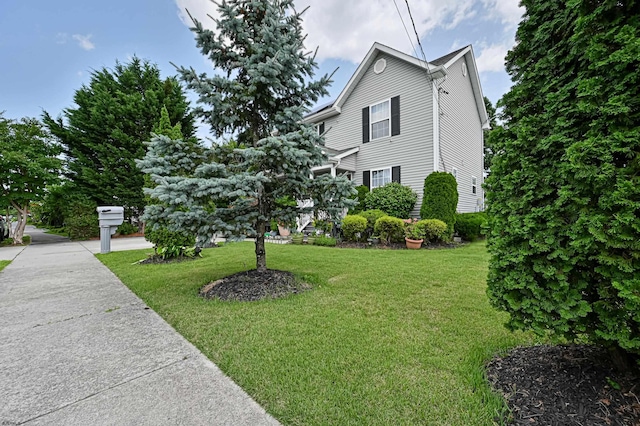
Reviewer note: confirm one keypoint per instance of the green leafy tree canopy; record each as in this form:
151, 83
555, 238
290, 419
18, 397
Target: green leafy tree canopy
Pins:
28, 163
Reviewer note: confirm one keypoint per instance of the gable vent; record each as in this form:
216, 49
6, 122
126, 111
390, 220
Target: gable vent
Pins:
379, 66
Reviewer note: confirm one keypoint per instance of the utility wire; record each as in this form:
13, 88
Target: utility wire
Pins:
405, 28
427, 68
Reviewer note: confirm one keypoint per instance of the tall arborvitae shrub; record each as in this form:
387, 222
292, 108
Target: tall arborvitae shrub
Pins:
440, 199
564, 190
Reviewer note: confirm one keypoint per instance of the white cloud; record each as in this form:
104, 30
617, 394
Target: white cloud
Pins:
84, 41
347, 29
509, 12
491, 57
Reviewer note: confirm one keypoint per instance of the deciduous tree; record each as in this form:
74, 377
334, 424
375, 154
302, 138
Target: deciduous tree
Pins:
28, 163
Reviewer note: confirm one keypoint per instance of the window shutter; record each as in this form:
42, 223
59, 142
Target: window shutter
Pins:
321, 128
365, 125
395, 116
366, 179
395, 174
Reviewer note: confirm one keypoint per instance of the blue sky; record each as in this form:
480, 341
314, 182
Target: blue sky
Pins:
48, 48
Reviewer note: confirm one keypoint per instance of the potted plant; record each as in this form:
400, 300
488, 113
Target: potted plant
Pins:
283, 230
413, 236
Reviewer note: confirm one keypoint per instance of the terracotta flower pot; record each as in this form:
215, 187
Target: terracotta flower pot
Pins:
283, 231
413, 244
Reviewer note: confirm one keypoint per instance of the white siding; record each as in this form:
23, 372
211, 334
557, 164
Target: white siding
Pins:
348, 162
412, 149
461, 137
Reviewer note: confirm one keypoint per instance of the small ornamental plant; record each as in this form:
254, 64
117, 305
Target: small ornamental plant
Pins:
353, 227
390, 229
413, 232
434, 230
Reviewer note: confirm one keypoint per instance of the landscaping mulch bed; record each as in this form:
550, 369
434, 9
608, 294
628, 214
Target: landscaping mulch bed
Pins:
252, 285
157, 259
565, 385
395, 246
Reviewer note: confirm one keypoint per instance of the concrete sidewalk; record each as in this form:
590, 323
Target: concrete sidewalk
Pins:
78, 348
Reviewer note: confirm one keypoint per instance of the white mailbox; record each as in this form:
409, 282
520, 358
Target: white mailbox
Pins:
110, 217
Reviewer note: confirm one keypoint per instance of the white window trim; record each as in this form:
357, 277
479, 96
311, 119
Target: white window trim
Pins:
474, 185
318, 127
371, 123
382, 169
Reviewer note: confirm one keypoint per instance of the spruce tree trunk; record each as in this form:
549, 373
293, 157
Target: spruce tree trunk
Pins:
261, 256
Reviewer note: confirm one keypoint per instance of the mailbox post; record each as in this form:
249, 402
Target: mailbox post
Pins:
110, 217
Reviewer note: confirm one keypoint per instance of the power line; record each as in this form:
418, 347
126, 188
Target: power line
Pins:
426, 67
405, 28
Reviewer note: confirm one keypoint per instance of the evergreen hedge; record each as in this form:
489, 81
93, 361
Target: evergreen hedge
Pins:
564, 191
440, 199
470, 226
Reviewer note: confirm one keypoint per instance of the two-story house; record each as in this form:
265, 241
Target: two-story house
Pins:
400, 118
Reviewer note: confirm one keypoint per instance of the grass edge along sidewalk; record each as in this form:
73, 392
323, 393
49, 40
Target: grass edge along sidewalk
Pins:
385, 336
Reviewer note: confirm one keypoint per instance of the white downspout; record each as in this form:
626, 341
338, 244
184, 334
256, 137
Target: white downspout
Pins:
436, 126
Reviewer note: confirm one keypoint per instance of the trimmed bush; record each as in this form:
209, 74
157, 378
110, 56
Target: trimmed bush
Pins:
127, 229
163, 237
390, 229
360, 198
440, 199
393, 199
81, 219
353, 227
469, 226
372, 216
325, 241
433, 229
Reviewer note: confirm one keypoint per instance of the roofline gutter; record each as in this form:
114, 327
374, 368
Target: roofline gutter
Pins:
321, 115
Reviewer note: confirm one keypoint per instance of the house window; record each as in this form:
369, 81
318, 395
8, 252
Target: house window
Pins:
376, 178
380, 120
454, 172
380, 177
474, 185
320, 128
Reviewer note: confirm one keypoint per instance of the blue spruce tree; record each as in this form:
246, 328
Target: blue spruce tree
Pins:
259, 96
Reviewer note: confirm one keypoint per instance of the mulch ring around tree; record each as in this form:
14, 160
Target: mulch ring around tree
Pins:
252, 285
565, 385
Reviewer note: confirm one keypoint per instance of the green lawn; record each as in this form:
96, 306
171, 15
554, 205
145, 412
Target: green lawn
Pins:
4, 263
386, 336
